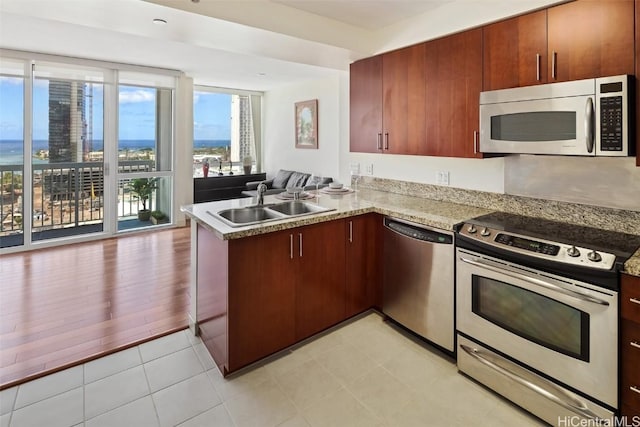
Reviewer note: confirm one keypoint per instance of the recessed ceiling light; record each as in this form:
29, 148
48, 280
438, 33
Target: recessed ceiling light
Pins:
159, 21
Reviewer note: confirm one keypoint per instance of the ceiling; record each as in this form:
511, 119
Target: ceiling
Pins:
242, 44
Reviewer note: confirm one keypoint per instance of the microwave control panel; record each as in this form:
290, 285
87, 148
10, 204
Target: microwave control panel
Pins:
612, 101
611, 132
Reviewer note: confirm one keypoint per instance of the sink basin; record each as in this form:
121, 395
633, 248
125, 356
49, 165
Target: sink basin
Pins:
238, 217
297, 207
248, 215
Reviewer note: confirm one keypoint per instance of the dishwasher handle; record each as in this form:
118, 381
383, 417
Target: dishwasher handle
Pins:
417, 232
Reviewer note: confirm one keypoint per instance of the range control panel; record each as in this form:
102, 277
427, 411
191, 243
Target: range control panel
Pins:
558, 252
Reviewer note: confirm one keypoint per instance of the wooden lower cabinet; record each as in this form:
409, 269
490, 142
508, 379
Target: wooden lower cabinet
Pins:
258, 295
630, 345
363, 267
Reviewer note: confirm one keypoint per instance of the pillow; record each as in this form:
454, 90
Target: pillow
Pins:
297, 179
281, 179
320, 180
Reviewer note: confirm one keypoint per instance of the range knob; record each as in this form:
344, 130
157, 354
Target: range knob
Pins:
472, 229
485, 232
594, 256
573, 251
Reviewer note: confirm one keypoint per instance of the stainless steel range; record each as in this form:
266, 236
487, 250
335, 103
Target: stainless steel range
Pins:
537, 313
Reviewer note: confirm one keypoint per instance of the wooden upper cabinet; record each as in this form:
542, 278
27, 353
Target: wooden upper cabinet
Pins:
403, 85
366, 105
453, 76
637, 83
590, 38
515, 52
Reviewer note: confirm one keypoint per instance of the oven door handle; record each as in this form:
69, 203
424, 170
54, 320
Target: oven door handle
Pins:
534, 280
549, 391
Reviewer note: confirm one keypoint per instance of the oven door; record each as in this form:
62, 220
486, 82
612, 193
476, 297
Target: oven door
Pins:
562, 126
564, 329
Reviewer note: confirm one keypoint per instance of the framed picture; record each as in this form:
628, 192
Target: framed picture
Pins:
307, 124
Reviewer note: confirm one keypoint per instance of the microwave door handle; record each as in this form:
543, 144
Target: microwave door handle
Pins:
589, 125
535, 281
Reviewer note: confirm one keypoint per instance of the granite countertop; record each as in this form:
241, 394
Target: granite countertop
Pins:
434, 213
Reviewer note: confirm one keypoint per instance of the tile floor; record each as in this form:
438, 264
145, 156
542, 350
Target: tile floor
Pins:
365, 373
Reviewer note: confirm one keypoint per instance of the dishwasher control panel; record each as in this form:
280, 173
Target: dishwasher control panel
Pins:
418, 232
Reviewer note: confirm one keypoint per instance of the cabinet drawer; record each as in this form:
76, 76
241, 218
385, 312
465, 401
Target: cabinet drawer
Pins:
630, 351
630, 304
630, 412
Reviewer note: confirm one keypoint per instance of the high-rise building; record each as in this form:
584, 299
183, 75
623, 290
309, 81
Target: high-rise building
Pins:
242, 144
67, 124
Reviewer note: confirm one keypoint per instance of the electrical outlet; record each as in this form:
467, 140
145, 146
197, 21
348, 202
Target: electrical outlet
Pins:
369, 169
442, 177
354, 168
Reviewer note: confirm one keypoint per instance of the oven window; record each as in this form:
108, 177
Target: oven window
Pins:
535, 317
534, 126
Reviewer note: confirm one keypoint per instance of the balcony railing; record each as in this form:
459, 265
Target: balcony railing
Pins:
65, 195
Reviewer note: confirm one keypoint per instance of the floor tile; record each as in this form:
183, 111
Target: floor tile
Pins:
297, 421
239, 383
163, 346
346, 362
7, 399
308, 383
140, 412
204, 356
265, 405
113, 391
321, 344
506, 414
172, 368
4, 420
51, 385
112, 364
62, 410
287, 362
381, 393
214, 417
340, 410
185, 400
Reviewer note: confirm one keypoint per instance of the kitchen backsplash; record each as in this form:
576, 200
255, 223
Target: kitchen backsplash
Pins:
606, 218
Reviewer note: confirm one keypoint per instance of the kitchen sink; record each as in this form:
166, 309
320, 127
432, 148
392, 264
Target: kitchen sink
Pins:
256, 214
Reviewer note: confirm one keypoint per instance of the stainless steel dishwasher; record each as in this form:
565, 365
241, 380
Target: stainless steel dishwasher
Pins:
419, 280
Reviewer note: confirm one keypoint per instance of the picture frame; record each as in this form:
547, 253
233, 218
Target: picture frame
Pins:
306, 124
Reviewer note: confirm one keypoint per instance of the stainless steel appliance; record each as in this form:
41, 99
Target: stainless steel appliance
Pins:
418, 280
583, 117
537, 313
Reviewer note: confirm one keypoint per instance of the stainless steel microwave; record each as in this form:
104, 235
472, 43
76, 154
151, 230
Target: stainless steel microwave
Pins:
580, 118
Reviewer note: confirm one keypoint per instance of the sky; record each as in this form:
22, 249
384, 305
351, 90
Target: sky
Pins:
212, 112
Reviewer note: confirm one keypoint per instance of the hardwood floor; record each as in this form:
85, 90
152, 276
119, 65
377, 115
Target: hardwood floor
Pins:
63, 306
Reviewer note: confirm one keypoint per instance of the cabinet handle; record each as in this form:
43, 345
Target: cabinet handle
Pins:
350, 231
538, 66
300, 241
634, 300
291, 245
379, 141
635, 389
475, 142
634, 344
553, 64
386, 140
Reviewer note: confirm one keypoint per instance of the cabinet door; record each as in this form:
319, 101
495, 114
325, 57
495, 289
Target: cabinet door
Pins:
637, 78
366, 105
454, 81
515, 52
590, 38
319, 292
262, 274
403, 100
363, 284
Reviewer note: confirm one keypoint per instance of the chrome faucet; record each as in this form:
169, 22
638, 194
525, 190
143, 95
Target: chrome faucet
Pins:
262, 187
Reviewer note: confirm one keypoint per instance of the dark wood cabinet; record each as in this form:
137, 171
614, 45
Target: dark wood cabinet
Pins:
637, 81
630, 345
363, 266
454, 81
515, 52
319, 252
403, 85
590, 38
365, 110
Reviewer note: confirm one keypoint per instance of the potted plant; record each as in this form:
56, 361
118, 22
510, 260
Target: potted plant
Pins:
143, 188
159, 217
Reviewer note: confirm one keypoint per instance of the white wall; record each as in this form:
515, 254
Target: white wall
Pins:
279, 150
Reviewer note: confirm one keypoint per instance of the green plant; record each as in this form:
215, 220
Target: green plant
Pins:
158, 214
143, 188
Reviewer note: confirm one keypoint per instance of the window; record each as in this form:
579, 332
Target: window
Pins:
226, 132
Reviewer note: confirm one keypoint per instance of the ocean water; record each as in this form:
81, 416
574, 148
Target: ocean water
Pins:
11, 149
